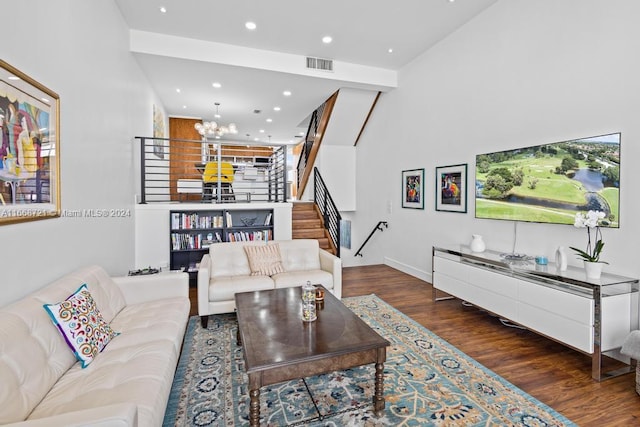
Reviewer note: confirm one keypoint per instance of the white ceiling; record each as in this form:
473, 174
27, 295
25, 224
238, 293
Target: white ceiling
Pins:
198, 42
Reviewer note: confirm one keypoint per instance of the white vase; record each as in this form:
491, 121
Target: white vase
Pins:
477, 244
561, 258
593, 269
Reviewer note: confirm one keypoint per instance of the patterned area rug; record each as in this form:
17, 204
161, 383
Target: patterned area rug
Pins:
427, 382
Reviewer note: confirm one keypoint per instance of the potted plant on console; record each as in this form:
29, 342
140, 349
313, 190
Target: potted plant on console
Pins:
591, 257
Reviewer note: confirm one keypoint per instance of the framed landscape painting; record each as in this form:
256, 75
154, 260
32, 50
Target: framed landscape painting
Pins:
29, 148
451, 188
413, 189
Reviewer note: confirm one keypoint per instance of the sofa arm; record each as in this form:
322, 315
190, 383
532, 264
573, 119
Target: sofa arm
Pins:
631, 345
121, 414
204, 276
169, 284
332, 264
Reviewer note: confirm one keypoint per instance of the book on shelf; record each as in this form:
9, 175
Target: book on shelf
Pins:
249, 236
184, 241
190, 221
267, 220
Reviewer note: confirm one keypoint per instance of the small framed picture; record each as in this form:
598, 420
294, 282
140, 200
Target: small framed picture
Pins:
451, 188
413, 189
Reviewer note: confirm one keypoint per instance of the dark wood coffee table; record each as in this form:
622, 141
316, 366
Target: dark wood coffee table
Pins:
278, 346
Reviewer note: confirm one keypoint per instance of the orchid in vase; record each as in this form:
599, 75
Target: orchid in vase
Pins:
590, 220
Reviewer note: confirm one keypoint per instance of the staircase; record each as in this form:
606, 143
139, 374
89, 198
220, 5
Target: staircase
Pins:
307, 224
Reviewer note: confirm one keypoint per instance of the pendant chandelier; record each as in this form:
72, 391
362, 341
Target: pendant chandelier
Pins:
213, 129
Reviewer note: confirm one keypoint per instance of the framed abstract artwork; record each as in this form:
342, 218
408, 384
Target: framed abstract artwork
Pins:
451, 188
29, 148
413, 189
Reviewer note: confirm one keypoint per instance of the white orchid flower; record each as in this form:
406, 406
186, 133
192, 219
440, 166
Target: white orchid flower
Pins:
590, 220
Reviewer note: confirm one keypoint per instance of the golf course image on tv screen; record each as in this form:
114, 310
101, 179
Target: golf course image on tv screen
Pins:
549, 183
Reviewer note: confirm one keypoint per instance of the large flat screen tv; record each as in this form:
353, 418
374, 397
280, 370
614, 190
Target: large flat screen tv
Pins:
549, 183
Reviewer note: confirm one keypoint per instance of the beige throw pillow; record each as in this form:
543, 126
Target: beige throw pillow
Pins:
264, 260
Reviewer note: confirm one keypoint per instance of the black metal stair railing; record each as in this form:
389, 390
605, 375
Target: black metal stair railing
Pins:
328, 209
172, 170
378, 227
312, 131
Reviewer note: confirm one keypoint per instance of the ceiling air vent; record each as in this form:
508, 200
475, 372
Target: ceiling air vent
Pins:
319, 64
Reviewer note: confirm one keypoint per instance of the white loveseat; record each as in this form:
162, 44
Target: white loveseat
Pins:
127, 384
225, 271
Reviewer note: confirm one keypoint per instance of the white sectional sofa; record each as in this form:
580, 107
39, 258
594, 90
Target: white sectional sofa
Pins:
225, 270
127, 384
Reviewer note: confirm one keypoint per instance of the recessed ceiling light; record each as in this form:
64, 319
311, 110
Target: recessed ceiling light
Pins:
327, 39
269, 120
390, 50
13, 78
261, 131
276, 108
184, 106
250, 25
256, 139
163, 9
301, 133
216, 85
287, 93
178, 89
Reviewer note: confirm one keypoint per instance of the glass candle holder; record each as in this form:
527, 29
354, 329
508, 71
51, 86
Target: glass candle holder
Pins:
309, 302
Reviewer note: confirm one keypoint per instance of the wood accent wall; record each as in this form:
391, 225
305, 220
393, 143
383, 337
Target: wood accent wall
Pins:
183, 155
238, 150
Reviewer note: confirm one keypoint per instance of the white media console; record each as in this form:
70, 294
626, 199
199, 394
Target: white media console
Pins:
590, 315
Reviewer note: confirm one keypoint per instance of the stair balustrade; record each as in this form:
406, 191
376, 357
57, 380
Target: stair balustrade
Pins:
172, 170
330, 214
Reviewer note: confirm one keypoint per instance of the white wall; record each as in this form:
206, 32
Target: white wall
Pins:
337, 166
79, 49
522, 73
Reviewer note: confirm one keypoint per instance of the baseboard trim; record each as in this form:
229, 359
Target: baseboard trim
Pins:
412, 271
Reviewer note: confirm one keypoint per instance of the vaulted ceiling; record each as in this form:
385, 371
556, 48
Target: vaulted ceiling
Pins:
193, 44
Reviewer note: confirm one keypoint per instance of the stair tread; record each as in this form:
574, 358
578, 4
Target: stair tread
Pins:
304, 215
310, 232
307, 223
303, 206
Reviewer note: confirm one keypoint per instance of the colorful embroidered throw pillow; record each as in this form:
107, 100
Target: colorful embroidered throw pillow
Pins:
81, 324
264, 260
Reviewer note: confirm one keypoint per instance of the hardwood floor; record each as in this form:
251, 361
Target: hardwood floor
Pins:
552, 373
